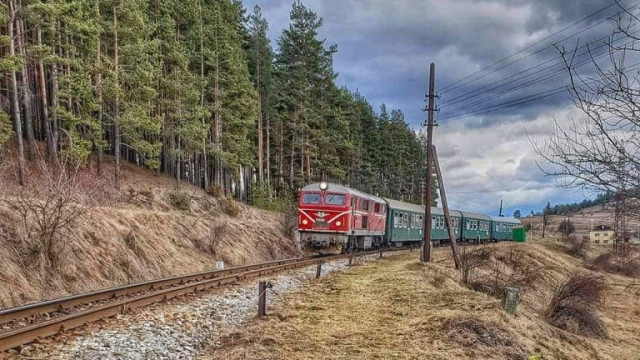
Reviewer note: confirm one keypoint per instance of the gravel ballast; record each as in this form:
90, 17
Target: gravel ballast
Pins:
181, 330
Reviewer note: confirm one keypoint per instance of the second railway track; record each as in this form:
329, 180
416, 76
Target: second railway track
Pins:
25, 324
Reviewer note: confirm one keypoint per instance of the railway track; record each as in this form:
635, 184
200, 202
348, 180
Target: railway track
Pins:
25, 324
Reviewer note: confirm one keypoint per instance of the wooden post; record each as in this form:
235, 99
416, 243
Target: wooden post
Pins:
510, 299
319, 269
445, 209
262, 299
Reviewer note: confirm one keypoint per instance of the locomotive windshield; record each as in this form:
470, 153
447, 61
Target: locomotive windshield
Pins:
334, 199
310, 198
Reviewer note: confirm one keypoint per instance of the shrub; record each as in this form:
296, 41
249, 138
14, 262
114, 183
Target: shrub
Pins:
471, 259
180, 200
576, 245
215, 191
527, 227
48, 209
574, 303
566, 228
229, 206
6, 131
143, 197
623, 263
511, 269
211, 243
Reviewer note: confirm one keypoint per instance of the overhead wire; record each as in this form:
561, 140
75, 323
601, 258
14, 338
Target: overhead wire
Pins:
556, 73
493, 86
457, 84
524, 100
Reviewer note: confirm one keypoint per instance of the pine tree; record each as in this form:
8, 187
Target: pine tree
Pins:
305, 80
13, 67
260, 58
129, 86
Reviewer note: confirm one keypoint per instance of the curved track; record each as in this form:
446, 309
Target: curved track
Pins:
47, 318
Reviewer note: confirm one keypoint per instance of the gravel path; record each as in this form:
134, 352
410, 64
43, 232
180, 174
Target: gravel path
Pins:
180, 330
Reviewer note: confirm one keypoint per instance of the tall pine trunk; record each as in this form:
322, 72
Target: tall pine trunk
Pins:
260, 146
99, 94
15, 105
116, 106
281, 156
54, 92
26, 90
204, 144
268, 155
52, 152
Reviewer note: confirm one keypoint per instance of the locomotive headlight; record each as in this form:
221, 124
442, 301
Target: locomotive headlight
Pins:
305, 221
338, 223
324, 186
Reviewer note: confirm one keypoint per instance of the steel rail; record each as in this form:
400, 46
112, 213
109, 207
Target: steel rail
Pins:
198, 282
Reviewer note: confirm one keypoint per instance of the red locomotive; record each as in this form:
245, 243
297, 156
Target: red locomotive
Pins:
334, 218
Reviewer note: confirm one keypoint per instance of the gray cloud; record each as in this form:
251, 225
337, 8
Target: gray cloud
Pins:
384, 48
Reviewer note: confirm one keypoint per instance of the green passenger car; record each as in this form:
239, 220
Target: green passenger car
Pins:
439, 233
404, 222
475, 227
502, 228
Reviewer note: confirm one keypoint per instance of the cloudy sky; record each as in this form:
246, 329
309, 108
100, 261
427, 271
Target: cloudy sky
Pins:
384, 51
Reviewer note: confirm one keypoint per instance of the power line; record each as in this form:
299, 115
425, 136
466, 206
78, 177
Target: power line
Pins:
522, 100
489, 87
526, 84
455, 85
500, 191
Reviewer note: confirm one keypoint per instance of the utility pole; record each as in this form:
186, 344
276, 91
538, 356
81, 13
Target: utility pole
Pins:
425, 255
500, 213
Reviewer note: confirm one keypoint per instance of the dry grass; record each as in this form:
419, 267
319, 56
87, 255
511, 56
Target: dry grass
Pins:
625, 263
574, 305
498, 267
399, 309
576, 245
135, 235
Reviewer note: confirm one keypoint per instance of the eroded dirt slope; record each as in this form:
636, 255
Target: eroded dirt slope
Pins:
125, 236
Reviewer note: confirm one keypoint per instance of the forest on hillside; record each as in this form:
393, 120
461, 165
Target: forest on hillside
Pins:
194, 89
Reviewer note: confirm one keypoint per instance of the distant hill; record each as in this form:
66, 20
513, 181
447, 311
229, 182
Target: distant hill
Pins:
583, 219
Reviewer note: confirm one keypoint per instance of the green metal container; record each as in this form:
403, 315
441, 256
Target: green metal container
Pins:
518, 234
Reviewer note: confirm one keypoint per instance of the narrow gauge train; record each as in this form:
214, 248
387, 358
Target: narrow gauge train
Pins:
334, 218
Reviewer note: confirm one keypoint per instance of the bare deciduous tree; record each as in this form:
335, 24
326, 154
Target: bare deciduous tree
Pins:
601, 150
47, 209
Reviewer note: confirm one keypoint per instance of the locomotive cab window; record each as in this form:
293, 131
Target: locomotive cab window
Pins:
335, 199
364, 205
377, 208
311, 198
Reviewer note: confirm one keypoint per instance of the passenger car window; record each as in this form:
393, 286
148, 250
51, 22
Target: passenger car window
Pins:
311, 198
335, 199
